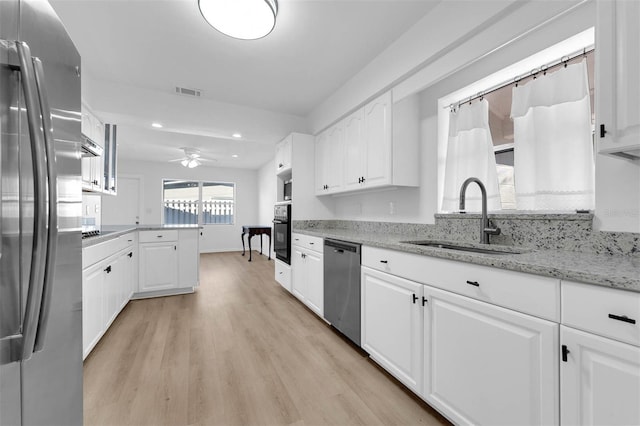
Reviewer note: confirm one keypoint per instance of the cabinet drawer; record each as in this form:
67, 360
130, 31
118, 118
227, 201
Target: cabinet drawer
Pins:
283, 275
307, 241
158, 236
601, 310
98, 252
531, 294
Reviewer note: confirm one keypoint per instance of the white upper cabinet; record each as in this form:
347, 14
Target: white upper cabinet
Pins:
378, 142
375, 146
283, 154
330, 160
354, 150
617, 81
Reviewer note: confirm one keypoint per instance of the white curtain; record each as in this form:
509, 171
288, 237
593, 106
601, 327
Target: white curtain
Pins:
553, 155
470, 154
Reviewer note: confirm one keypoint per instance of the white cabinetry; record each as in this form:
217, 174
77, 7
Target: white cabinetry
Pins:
617, 70
283, 274
377, 167
475, 362
330, 160
489, 365
92, 312
600, 380
168, 261
374, 147
92, 167
354, 148
391, 321
307, 272
107, 284
283, 154
600, 368
158, 260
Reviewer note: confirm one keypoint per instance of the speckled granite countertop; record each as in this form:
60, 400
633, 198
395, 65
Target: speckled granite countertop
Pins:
617, 271
109, 232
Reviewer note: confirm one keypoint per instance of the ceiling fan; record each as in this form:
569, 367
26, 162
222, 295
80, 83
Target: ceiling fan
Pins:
192, 158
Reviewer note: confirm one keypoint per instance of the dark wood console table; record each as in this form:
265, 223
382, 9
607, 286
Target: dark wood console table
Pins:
255, 230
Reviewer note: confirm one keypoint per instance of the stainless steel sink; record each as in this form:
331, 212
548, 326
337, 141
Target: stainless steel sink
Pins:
502, 250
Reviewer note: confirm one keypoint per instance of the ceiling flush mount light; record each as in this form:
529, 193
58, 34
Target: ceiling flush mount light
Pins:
242, 19
236, 135
234, 155
156, 125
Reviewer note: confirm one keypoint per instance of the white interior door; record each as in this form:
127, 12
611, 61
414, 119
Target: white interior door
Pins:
123, 209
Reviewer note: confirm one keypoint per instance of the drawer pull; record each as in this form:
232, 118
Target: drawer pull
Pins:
474, 283
622, 318
565, 352
159, 236
384, 261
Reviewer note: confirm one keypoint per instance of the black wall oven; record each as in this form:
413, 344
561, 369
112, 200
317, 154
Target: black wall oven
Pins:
282, 232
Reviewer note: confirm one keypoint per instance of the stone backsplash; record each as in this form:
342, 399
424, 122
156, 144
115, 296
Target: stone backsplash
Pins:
572, 232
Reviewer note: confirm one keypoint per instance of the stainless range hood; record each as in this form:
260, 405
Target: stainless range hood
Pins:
90, 148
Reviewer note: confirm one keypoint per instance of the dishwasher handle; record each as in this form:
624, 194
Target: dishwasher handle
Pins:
342, 245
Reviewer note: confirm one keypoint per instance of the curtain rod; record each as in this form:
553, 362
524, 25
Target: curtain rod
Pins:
534, 72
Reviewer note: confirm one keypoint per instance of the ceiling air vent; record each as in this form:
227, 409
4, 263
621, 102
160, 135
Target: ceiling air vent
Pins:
188, 92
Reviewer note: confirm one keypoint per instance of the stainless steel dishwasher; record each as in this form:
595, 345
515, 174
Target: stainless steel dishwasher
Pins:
342, 287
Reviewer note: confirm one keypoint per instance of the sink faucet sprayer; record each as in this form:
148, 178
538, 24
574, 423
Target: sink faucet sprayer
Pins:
485, 224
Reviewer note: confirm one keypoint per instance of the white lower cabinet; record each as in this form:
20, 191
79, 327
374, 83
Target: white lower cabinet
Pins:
600, 368
307, 276
600, 380
111, 272
488, 365
158, 266
92, 311
391, 324
283, 274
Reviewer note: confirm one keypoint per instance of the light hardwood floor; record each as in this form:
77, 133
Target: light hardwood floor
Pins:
239, 351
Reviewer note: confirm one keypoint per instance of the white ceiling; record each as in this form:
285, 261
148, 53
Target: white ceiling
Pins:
142, 49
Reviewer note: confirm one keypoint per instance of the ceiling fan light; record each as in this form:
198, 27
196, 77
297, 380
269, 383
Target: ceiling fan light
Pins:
193, 163
184, 162
242, 19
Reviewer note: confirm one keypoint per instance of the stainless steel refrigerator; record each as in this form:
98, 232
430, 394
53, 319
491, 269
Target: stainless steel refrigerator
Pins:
40, 218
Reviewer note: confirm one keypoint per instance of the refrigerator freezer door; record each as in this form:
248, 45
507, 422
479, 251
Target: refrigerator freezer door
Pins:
13, 152
59, 365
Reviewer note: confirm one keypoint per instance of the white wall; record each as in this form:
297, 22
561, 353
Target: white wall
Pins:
266, 192
456, 64
216, 237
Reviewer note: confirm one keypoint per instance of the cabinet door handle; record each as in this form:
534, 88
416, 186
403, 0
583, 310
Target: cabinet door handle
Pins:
474, 283
363, 179
603, 131
622, 318
565, 352
175, 247
424, 301
130, 254
384, 261
415, 298
108, 269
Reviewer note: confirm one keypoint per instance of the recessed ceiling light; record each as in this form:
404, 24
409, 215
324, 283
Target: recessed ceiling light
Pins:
156, 125
236, 135
243, 19
235, 155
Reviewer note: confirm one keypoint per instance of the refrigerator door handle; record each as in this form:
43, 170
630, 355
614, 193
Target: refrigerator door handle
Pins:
52, 222
37, 272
